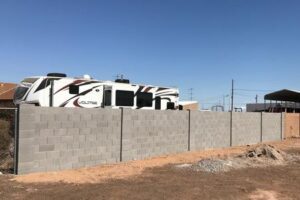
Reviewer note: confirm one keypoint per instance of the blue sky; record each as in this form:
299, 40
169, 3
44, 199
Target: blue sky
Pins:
201, 44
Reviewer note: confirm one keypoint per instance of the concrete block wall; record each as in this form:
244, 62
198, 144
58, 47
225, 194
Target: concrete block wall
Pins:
246, 128
66, 138
149, 133
209, 130
60, 138
272, 126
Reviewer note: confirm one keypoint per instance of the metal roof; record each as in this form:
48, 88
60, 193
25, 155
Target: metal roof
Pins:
7, 91
284, 95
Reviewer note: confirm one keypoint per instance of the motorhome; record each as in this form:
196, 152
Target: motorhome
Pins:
58, 90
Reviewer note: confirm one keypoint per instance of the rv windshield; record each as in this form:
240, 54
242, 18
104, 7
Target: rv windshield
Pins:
29, 80
19, 93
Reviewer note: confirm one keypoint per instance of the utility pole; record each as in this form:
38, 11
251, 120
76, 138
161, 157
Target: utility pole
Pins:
191, 94
232, 94
231, 112
256, 100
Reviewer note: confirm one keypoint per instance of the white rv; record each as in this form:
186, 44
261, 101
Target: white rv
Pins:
58, 90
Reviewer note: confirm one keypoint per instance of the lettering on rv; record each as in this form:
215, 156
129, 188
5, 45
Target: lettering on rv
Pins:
87, 103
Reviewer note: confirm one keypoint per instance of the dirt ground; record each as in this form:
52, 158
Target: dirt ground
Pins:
157, 178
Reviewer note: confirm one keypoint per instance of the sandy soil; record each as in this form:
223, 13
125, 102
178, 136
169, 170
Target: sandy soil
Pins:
157, 178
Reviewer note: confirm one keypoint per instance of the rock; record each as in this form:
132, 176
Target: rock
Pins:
1, 173
251, 154
12, 148
185, 165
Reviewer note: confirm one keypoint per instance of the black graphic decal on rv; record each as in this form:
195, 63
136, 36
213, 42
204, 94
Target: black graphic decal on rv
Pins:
80, 94
161, 88
87, 83
166, 98
66, 86
139, 90
45, 83
42, 85
148, 89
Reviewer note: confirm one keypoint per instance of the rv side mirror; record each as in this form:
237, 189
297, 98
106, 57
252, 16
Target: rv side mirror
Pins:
180, 107
170, 106
74, 89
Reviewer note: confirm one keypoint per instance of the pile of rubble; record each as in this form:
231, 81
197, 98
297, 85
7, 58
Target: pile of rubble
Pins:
265, 151
260, 156
213, 165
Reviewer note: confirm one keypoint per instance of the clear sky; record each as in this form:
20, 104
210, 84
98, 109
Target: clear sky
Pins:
201, 44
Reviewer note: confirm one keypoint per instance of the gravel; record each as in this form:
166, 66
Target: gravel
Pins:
260, 156
213, 165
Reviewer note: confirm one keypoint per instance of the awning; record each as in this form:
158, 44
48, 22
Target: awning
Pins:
284, 95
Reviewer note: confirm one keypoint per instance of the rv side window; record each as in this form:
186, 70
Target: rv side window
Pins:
74, 89
170, 106
107, 98
144, 99
157, 103
124, 98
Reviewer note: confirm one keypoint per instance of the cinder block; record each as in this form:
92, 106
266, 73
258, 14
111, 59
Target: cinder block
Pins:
85, 117
54, 125
91, 124
60, 132
41, 125
52, 155
67, 124
46, 147
67, 139
75, 117
27, 134
84, 131
47, 117
53, 139
73, 131
26, 125
46, 132
84, 158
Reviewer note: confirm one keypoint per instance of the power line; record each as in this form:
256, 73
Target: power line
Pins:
253, 90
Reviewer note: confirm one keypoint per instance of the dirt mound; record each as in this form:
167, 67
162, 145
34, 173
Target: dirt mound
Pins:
265, 151
259, 156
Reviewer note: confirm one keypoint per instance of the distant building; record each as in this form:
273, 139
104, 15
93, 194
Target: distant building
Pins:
279, 101
7, 91
189, 105
272, 107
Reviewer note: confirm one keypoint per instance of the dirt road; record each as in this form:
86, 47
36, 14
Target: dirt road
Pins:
157, 178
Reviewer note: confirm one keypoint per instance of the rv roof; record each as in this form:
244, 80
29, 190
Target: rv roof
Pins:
100, 81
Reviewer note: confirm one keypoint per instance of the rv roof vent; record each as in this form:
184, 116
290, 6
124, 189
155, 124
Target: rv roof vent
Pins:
122, 81
86, 76
57, 75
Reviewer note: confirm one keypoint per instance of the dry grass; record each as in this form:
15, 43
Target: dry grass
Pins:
5, 140
4, 135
